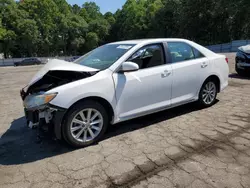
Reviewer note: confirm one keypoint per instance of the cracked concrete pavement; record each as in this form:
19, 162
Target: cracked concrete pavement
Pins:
182, 147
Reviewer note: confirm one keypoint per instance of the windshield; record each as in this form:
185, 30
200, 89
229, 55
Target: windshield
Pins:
104, 56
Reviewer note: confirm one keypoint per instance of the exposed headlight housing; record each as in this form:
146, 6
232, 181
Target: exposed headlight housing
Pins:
38, 101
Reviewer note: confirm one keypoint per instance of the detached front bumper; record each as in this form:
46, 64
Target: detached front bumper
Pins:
243, 66
45, 115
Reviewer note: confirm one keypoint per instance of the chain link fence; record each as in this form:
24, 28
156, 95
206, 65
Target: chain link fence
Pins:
228, 47
219, 48
11, 61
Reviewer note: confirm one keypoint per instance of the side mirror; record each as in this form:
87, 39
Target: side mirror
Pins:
129, 66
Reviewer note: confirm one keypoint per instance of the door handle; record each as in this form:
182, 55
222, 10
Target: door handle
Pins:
204, 64
166, 73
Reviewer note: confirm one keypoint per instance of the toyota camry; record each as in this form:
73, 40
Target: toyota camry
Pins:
121, 81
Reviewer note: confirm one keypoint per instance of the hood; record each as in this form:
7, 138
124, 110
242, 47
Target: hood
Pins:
245, 49
59, 65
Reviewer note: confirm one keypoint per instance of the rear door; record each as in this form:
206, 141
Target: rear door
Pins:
190, 69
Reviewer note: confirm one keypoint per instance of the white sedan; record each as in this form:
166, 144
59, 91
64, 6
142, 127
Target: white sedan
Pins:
121, 81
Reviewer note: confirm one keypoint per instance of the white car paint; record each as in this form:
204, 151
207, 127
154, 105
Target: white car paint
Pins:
142, 87
133, 94
185, 85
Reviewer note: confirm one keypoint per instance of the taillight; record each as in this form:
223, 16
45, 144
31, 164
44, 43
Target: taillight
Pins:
226, 59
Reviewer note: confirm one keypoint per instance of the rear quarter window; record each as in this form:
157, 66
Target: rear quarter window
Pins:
197, 53
181, 51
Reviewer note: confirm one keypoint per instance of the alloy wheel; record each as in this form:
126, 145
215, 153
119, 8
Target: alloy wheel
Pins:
209, 93
86, 125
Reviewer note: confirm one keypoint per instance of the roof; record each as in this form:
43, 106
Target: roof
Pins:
142, 42
138, 41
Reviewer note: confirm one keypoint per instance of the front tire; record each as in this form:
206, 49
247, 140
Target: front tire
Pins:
85, 124
240, 72
208, 93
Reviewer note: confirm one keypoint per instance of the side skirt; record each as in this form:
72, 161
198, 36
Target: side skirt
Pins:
152, 111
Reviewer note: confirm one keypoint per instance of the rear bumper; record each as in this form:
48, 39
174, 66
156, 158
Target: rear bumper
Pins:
223, 86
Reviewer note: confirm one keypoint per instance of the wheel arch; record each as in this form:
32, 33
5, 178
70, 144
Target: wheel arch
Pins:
216, 79
102, 101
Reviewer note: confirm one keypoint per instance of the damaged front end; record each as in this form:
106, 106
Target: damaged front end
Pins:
37, 107
36, 98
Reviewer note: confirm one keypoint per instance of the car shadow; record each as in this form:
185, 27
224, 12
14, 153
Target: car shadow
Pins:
20, 145
237, 76
151, 119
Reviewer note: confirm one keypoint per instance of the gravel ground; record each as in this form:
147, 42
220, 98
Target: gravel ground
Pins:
181, 147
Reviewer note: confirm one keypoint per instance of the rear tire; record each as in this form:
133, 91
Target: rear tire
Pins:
85, 124
208, 93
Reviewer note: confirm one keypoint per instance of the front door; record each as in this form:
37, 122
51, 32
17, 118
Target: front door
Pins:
146, 90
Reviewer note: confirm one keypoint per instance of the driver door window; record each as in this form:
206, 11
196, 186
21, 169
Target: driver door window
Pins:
149, 56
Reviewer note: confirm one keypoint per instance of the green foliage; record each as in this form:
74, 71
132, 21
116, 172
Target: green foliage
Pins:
28, 33
91, 40
109, 17
131, 20
3, 31
53, 27
91, 11
206, 21
76, 9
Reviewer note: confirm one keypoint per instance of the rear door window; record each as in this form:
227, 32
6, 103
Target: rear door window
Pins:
180, 51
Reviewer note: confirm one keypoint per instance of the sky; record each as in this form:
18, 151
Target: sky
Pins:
105, 5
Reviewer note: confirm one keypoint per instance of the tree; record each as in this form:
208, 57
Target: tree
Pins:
76, 9
109, 17
92, 10
9, 16
3, 31
130, 21
238, 20
46, 14
91, 40
63, 6
100, 27
27, 37
77, 28
49, 27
